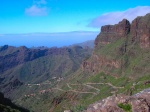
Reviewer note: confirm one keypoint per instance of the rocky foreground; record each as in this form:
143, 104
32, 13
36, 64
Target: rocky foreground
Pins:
139, 102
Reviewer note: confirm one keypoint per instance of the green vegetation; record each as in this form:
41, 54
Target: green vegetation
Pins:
78, 108
126, 107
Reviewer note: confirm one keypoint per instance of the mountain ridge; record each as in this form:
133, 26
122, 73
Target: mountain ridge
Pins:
21, 65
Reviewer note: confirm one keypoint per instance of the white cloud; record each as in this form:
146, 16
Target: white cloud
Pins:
37, 9
115, 17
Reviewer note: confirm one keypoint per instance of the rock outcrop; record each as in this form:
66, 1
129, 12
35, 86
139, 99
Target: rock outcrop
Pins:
139, 102
121, 29
99, 62
139, 30
110, 33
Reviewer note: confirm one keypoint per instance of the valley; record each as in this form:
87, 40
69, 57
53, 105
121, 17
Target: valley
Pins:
74, 78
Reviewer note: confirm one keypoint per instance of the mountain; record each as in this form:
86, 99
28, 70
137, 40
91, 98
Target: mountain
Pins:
22, 65
72, 79
122, 49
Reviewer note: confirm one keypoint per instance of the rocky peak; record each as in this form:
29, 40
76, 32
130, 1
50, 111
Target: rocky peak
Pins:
139, 30
122, 28
110, 33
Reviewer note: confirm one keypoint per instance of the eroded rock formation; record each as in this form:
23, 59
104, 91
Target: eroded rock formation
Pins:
110, 33
139, 30
99, 62
139, 102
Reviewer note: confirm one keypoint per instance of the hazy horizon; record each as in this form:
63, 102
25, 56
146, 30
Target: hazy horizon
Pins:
60, 39
60, 22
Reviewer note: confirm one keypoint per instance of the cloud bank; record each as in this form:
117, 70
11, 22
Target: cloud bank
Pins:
37, 9
115, 17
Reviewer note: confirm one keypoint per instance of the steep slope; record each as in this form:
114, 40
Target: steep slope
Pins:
7, 106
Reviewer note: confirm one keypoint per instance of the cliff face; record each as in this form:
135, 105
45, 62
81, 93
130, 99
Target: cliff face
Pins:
98, 63
137, 32
121, 29
110, 33
140, 31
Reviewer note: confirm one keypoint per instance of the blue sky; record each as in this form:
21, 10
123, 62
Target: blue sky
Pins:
55, 16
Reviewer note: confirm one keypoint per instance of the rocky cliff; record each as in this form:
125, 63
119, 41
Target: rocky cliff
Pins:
115, 45
98, 63
139, 30
110, 33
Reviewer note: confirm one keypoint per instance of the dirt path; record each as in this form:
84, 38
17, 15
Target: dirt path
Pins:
115, 87
71, 89
91, 87
82, 92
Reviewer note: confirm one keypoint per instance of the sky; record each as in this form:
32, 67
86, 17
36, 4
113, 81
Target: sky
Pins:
37, 18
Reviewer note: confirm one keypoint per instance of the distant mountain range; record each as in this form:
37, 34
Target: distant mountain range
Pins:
87, 44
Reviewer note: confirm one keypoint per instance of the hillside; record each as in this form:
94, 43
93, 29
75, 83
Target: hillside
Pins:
21, 65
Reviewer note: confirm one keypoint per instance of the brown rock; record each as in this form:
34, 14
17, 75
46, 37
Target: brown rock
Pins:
110, 33
97, 63
140, 31
121, 29
139, 102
